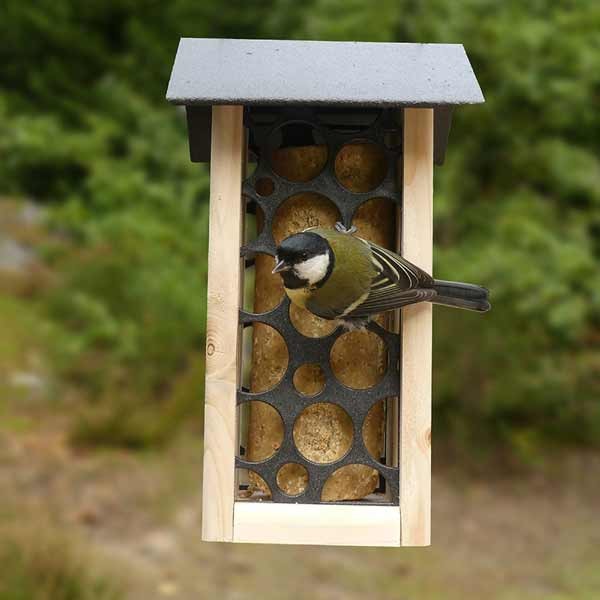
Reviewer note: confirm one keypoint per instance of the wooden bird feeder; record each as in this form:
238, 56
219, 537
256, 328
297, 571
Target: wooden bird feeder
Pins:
314, 434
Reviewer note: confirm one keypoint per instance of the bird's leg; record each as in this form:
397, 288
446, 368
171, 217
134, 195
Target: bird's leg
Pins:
355, 324
342, 229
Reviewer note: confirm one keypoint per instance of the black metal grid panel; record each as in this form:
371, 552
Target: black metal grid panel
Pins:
301, 349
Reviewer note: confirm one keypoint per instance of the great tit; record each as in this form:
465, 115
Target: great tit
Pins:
337, 275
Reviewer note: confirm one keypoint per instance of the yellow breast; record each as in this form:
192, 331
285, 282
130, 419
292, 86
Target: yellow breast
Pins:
298, 296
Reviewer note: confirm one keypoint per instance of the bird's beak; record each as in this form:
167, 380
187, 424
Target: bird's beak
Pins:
281, 266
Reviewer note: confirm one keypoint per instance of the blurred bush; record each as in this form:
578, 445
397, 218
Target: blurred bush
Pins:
129, 245
84, 128
133, 311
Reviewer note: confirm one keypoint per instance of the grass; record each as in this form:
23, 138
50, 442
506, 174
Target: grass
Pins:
120, 419
43, 564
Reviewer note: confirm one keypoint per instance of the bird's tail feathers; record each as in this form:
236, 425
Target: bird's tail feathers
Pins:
461, 295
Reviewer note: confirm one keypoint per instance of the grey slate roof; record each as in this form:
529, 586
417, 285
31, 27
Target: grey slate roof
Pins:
279, 72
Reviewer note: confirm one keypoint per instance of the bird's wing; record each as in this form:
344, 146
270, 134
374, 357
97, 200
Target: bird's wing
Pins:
397, 283
393, 269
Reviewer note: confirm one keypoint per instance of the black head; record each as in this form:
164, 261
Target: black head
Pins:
304, 259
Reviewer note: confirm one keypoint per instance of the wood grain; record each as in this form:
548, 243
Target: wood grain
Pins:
336, 525
415, 408
222, 329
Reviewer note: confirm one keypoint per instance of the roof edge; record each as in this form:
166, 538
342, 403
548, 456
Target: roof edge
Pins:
211, 71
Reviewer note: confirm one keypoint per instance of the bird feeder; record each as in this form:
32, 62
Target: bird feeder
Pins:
315, 434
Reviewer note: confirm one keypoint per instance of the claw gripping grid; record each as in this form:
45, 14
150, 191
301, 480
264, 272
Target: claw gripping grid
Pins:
284, 397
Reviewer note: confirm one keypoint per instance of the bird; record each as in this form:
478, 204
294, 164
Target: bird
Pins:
337, 275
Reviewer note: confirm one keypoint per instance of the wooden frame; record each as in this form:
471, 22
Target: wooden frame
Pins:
415, 388
224, 519
335, 525
222, 328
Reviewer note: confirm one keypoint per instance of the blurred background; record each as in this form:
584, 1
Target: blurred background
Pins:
103, 234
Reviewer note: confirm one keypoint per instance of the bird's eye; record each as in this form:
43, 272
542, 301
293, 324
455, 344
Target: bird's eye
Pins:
304, 255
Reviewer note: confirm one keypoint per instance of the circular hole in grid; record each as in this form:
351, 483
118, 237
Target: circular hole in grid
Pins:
310, 325
309, 379
301, 211
251, 486
359, 359
298, 151
375, 220
254, 220
350, 482
261, 430
360, 166
292, 479
323, 432
264, 186
374, 431
263, 345
270, 286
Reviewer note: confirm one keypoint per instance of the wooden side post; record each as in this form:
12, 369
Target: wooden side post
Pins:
222, 329
415, 408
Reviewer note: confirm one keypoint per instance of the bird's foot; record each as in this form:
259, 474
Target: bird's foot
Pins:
355, 324
342, 229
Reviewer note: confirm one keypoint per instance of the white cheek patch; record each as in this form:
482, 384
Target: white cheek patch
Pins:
314, 269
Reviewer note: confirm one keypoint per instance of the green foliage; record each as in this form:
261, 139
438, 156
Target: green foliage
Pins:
518, 211
112, 164
84, 128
